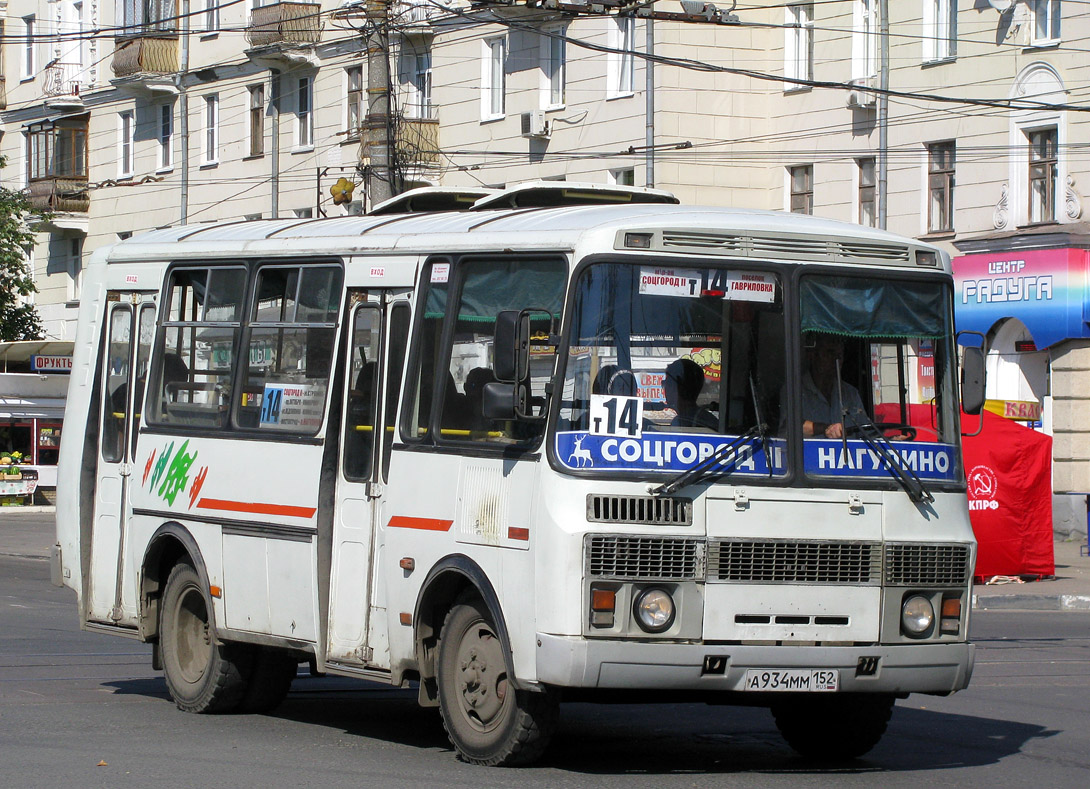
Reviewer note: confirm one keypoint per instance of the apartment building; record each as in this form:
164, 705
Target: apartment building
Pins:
128, 115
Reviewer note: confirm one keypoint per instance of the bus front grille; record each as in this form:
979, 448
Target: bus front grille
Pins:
638, 558
787, 561
912, 564
651, 510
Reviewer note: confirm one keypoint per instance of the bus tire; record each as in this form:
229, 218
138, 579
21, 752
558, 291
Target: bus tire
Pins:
488, 721
269, 681
836, 728
201, 675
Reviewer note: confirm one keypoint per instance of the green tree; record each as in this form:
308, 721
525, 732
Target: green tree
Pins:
18, 321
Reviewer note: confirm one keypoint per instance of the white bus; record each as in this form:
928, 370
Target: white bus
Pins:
528, 452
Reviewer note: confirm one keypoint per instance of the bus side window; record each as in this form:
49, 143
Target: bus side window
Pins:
118, 377
195, 350
288, 348
398, 343
490, 286
359, 426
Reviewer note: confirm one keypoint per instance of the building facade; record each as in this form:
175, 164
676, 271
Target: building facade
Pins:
961, 121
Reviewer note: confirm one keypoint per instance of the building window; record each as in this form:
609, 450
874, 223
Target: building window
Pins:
420, 85
209, 21
74, 266
166, 136
257, 120
125, 144
620, 63
553, 69
1042, 175
940, 187
798, 45
868, 192
623, 176
1046, 22
57, 150
940, 25
865, 39
212, 129
802, 188
304, 114
303, 213
493, 78
353, 102
30, 61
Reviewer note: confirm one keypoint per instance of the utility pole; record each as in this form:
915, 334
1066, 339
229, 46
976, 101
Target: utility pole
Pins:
649, 99
883, 112
377, 125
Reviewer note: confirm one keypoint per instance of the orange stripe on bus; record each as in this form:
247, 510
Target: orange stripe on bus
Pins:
256, 508
427, 524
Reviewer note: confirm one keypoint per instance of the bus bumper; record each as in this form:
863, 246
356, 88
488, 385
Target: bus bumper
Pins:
574, 662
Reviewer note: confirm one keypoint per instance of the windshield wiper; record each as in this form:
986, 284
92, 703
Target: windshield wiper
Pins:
702, 469
894, 462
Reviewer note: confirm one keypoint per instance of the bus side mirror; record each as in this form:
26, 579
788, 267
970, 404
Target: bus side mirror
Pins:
511, 346
972, 380
500, 399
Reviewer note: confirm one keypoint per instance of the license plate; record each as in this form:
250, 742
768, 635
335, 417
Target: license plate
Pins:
799, 680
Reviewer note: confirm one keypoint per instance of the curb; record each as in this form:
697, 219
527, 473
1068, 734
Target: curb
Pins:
31, 508
1032, 602
35, 556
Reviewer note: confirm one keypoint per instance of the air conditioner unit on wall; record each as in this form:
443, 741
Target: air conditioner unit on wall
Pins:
534, 124
860, 98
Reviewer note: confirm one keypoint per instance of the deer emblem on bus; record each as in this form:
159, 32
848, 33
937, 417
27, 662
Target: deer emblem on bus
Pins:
580, 457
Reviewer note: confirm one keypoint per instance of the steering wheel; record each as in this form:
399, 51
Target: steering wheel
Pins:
907, 432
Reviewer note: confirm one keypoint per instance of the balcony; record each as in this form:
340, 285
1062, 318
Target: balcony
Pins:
417, 137
3, 92
59, 194
146, 61
61, 86
284, 33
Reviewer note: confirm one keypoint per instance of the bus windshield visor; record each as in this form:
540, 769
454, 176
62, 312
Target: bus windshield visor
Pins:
669, 367
877, 392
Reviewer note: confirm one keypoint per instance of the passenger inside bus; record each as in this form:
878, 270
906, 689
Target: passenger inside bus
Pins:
683, 383
822, 389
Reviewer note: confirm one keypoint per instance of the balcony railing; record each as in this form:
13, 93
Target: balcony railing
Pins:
413, 12
418, 138
62, 80
285, 23
59, 194
146, 53
3, 92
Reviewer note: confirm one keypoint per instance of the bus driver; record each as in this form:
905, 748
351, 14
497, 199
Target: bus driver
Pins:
822, 390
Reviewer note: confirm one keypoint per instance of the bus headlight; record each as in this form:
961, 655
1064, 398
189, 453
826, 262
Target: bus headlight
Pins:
654, 609
917, 616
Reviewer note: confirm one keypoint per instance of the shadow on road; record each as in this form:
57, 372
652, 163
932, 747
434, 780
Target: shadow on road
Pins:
653, 739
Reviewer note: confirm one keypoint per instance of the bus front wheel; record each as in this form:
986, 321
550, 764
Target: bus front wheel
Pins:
201, 675
836, 727
488, 721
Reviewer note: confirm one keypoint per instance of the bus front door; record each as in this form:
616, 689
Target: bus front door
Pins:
130, 326
376, 354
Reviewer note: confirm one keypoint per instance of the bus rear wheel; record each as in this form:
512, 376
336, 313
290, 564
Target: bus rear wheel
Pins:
834, 728
488, 721
201, 675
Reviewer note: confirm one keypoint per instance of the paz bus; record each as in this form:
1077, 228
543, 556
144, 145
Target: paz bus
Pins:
520, 447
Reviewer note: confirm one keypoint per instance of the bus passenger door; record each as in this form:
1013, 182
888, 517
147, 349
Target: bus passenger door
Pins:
376, 354
130, 326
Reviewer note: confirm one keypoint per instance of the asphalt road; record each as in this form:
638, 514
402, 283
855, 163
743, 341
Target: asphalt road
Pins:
85, 709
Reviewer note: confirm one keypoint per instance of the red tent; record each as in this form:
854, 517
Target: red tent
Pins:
1008, 468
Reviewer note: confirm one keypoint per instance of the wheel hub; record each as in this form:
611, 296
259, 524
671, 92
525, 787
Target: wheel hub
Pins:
482, 678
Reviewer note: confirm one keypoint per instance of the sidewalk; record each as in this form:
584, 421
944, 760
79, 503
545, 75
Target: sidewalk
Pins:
27, 532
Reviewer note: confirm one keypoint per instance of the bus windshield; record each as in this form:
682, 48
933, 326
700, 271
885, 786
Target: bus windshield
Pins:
671, 368
666, 366
875, 369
